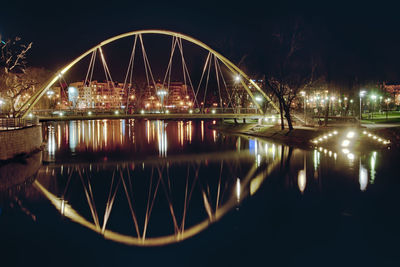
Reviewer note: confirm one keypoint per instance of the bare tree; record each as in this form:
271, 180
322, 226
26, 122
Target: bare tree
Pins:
13, 55
16, 88
17, 82
292, 69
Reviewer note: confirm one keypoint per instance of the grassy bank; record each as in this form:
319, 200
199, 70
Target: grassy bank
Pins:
301, 136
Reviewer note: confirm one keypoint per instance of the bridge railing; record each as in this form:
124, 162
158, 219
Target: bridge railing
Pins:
17, 123
116, 111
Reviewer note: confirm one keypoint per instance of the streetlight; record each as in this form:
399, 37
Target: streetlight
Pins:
162, 93
362, 94
333, 104
373, 97
387, 100
303, 94
237, 78
1, 104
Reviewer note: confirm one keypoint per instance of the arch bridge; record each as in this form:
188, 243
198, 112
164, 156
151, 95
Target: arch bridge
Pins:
220, 90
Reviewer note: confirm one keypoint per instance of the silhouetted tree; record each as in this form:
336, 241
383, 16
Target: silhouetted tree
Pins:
292, 68
17, 82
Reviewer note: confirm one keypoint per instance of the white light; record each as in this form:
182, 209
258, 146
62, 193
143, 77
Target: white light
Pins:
302, 180
237, 78
142, 111
167, 111
60, 114
89, 113
71, 89
258, 98
345, 151
334, 132
350, 134
363, 178
162, 93
238, 189
116, 112
364, 132
213, 111
190, 111
345, 143
350, 156
30, 115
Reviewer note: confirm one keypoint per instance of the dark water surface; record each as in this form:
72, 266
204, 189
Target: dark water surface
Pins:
176, 193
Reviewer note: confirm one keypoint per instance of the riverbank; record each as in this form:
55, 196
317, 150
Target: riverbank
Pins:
21, 141
300, 136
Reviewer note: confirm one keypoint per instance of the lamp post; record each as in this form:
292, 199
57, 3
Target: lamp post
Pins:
362, 94
333, 105
162, 93
373, 97
387, 100
303, 94
259, 99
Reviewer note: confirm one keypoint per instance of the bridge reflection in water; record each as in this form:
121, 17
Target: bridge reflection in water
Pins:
151, 183
156, 201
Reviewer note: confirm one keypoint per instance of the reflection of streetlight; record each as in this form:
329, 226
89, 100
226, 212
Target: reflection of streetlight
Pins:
362, 94
162, 93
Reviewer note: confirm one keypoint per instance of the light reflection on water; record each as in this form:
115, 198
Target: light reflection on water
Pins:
158, 182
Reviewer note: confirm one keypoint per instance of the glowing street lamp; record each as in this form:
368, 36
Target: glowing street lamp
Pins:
237, 78
162, 93
362, 94
373, 97
387, 101
303, 94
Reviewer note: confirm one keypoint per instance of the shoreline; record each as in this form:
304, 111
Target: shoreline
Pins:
300, 136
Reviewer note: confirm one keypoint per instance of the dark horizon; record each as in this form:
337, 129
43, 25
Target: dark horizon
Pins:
356, 41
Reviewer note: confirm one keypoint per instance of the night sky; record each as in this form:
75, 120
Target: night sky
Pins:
358, 39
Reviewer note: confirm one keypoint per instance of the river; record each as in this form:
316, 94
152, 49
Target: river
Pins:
177, 193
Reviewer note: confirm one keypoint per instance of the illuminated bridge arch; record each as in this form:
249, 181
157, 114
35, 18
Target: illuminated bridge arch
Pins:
245, 80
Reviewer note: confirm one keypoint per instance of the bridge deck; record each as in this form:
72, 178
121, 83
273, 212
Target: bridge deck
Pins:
155, 116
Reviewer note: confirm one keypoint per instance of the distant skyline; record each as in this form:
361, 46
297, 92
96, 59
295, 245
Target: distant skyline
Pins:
356, 39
